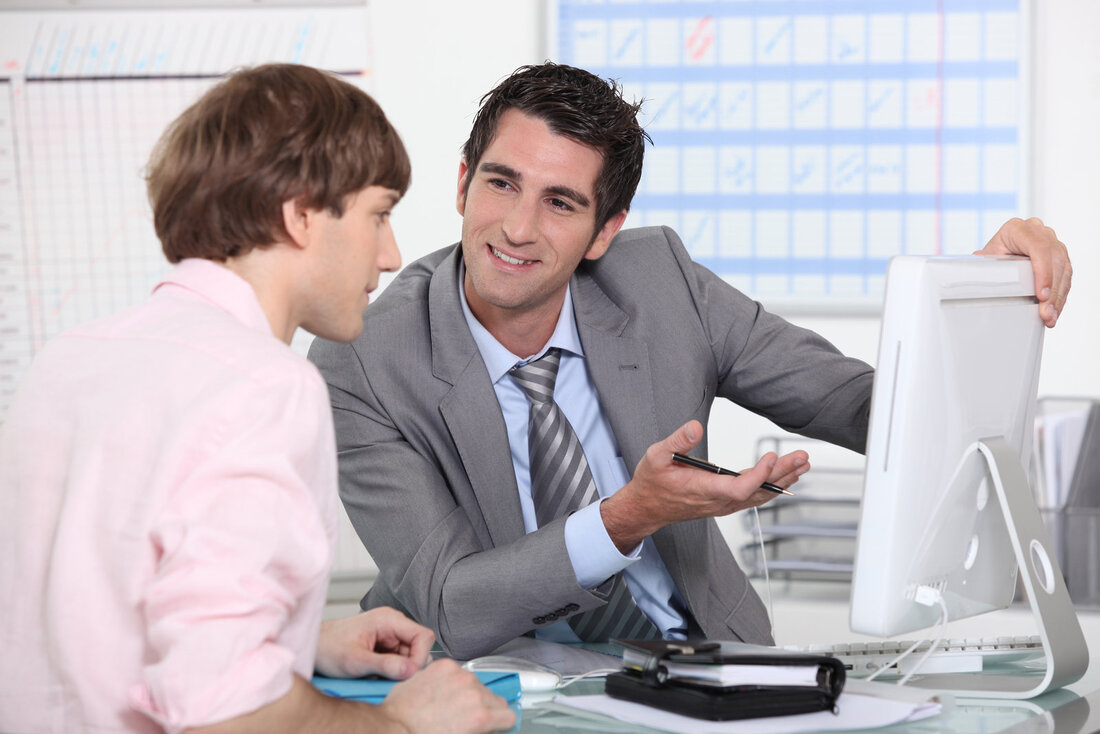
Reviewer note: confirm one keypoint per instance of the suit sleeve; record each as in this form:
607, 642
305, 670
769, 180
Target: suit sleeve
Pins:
437, 561
793, 376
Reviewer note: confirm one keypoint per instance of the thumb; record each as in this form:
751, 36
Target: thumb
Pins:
685, 438
397, 667
390, 665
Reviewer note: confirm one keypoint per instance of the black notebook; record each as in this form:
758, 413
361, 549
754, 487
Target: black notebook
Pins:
722, 681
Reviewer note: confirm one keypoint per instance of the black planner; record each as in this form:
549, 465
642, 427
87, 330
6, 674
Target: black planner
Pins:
722, 681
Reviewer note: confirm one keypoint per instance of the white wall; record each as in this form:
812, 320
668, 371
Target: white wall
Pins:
430, 86
435, 60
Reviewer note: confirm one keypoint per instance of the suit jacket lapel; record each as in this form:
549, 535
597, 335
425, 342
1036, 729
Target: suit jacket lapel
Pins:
470, 409
619, 366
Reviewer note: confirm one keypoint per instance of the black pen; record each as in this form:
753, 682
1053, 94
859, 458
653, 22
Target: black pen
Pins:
707, 466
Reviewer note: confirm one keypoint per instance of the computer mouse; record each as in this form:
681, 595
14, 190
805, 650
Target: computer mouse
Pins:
533, 677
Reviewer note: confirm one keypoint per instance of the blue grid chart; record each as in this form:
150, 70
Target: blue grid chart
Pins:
798, 145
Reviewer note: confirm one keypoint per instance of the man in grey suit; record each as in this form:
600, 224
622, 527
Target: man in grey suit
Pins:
437, 455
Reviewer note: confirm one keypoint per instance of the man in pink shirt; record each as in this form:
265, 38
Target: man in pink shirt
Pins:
168, 500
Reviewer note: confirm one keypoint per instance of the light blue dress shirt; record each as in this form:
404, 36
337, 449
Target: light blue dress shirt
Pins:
591, 550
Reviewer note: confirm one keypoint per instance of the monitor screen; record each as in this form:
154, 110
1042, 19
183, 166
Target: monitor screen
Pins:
958, 363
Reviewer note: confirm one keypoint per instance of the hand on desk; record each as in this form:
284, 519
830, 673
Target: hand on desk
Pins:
1049, 260
445, 698
440, 698
663, 492
382, 641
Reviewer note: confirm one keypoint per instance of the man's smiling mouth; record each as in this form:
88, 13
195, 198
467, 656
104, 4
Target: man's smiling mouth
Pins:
509, 259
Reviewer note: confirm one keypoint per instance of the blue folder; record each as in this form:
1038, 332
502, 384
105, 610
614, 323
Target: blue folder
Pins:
371, 690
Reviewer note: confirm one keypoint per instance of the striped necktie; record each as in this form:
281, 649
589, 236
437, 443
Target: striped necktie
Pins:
561, 483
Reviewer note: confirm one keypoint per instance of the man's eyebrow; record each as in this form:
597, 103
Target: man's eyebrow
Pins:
501, 170
569, 193
508, 172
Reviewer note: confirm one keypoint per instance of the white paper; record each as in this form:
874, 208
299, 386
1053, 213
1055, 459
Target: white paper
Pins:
1059, 436
744, 675
854, 711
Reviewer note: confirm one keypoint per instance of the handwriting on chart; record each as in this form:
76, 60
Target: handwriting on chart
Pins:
701, 39
810, 169
810, 105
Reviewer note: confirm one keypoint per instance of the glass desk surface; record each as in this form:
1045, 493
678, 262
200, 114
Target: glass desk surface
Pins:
1067, 711
1061, 711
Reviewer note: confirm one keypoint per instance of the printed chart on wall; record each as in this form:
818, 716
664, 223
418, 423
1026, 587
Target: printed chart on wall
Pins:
83, 97
798, 145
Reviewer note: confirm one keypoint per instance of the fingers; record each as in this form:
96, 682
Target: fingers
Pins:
391, 665
789, 468
420, 648
398, 633
381, 640
751, 479
1061, 282
1050, 261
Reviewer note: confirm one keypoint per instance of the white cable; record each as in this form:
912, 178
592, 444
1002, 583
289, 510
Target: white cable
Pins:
934, 645
925, 595
599, 672
764, 561
894, 662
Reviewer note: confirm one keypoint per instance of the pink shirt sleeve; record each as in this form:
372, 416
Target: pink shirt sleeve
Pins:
244, 548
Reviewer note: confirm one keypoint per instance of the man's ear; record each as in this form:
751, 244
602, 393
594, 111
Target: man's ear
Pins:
460, 201
603, 238
297, 221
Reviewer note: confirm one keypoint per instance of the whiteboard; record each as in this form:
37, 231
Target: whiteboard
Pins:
83, 97
799, 145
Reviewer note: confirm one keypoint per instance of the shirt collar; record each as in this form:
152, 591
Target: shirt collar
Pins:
220, 286
498, 360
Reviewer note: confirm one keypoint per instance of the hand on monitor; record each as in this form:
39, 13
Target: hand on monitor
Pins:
663, 491
382, 641
1049, 260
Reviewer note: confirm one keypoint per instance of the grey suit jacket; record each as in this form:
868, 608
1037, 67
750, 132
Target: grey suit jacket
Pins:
425, 469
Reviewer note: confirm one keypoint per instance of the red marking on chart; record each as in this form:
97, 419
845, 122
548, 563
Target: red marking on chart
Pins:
701, 39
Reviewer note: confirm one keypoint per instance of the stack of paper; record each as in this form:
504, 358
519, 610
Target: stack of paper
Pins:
862, 705
731, 675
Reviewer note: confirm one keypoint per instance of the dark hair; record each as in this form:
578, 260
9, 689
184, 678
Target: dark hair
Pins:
220, 173
578, 105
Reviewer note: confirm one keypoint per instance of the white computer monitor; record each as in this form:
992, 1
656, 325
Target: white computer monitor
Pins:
947, 510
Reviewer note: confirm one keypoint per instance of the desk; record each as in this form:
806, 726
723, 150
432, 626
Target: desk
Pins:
1071, 710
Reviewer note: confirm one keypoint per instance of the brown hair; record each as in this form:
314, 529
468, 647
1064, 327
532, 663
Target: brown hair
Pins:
220, 173
578, 105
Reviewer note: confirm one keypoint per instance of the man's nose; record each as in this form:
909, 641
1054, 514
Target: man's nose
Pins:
389, 257
521, 221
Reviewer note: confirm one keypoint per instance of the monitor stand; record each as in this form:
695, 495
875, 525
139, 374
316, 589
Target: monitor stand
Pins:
1067, 654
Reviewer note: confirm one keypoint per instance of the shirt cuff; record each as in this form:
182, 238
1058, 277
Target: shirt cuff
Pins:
593, 554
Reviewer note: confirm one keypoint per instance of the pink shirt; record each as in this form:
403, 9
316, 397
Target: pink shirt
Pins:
167, 517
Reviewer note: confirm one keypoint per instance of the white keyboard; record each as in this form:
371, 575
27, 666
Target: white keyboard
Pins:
861, 659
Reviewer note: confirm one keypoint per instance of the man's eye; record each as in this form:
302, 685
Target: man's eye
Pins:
561, 204
499, 183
